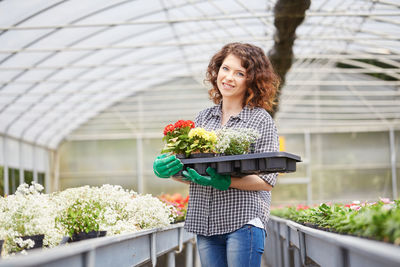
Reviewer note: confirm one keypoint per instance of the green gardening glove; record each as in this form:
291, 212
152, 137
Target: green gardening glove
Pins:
165, 166
218, 181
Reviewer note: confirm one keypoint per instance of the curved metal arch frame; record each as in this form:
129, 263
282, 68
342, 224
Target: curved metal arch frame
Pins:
38, 136
44, 127
92, 52
379, 1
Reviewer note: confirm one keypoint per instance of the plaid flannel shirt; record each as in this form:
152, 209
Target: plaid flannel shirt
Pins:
214, 212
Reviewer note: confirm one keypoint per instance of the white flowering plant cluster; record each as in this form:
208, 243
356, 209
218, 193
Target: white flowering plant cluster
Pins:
107, 208
231, 141
27, 212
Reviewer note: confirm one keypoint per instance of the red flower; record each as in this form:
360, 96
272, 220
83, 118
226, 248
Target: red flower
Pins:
186, 200
169, 128
302, 207
179, 124
189, 124
182, 124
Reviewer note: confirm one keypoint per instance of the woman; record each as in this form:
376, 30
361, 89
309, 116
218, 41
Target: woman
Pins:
230, 214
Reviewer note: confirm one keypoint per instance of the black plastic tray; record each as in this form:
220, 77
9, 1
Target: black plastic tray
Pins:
268, 162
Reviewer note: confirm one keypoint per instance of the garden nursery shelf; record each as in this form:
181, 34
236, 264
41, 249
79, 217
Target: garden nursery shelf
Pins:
268, 162
132, 249
293, 244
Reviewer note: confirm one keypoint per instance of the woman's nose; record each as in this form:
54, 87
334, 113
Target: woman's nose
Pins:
229, 76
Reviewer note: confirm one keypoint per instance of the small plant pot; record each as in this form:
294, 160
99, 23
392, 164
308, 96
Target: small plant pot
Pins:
262, 164
180, 156
224, 167
83, 235
277, 164
201, 168
248, 165
38, 239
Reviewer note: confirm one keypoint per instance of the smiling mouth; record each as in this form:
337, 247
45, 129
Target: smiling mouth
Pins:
227, 86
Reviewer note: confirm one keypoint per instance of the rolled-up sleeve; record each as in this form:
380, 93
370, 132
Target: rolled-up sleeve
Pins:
267, 142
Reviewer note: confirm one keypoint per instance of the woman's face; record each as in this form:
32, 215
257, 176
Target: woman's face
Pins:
231, 79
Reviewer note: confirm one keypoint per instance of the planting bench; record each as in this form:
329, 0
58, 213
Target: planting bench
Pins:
292, 244
120, 250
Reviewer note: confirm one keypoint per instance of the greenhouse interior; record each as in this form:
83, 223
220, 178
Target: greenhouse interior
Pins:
87, 87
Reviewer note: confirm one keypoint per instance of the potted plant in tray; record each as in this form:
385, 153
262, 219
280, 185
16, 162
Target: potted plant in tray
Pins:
27, 220
201, 143
176, 137
3, 234
231, 141
82, 219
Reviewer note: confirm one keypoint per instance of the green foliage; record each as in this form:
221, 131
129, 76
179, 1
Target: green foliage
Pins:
177, 137
380, 220
81, 216
177, 145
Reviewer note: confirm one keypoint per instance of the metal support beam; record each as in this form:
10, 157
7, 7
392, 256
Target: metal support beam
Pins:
34, 162
21, 164
47, 179
5, 167
171, 259
189, 254
153, 249
393, 162
139, 160
254, 15
56, 171
307, 145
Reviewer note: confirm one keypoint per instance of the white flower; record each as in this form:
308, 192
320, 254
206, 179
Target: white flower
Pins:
232, 141
30, 212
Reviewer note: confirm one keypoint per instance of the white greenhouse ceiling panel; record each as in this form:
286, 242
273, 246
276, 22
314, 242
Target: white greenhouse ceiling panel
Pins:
73, 69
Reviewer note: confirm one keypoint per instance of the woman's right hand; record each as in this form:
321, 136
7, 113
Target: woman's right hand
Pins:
165, 166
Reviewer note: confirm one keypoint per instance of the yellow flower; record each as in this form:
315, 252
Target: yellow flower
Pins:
202, 133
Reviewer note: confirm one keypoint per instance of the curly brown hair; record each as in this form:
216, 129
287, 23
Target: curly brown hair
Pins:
261, 80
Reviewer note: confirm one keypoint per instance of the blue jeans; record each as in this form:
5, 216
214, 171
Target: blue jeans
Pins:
241, 248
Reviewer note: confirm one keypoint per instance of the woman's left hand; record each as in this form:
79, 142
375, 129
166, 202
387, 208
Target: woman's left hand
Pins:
216, 180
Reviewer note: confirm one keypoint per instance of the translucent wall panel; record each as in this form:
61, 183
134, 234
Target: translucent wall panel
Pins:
98, 162
344, 167
397, 150
351, 166
12, 153
351, 184
289, 194
41, 160
351, 149
1, 150
27, 154
113, 162
294, 143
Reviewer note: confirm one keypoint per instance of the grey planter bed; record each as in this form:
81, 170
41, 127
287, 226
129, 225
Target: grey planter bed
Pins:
292, 244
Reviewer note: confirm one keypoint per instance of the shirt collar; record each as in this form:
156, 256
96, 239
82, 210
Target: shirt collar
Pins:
244, 114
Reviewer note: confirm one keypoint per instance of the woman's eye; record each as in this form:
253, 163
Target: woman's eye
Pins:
224, 68
240, 74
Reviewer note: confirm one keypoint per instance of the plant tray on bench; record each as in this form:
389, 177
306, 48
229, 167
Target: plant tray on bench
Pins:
268, 162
